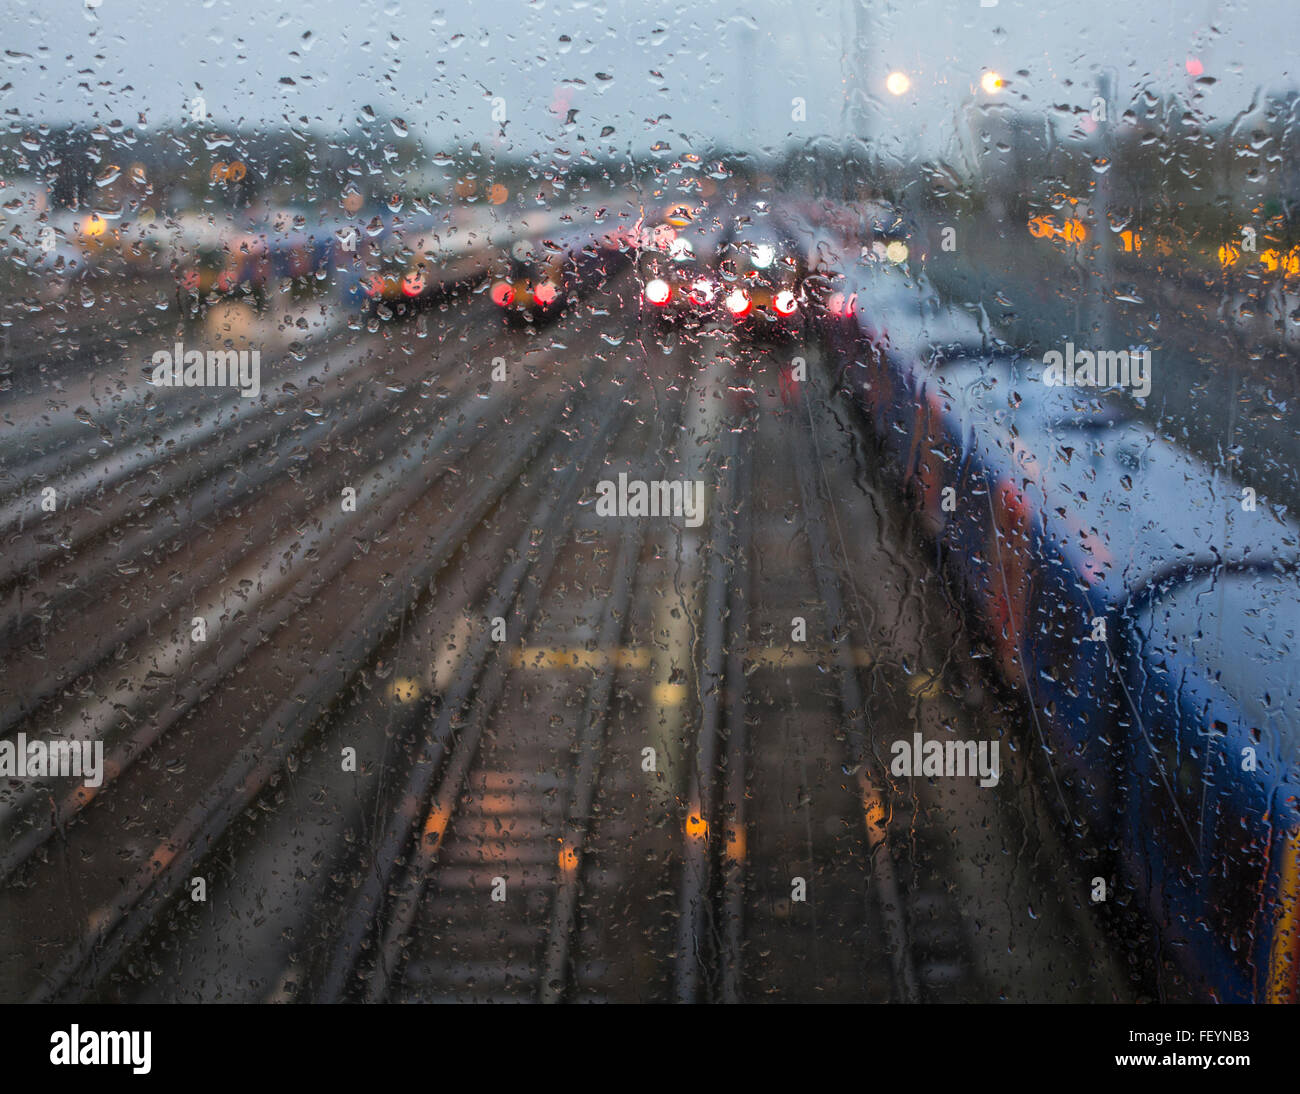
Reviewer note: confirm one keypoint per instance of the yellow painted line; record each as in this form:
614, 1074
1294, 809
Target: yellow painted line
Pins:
669, 695
404, 689
1285, 944
801, 657
577, 657
924, 684
759, 658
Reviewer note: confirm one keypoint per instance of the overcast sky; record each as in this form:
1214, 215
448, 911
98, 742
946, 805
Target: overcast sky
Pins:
683, 74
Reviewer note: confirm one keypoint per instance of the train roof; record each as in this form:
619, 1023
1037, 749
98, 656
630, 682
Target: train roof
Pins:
1244, 624
1125, 505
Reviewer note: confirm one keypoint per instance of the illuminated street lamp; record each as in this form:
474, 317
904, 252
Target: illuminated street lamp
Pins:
992, 83
898, 83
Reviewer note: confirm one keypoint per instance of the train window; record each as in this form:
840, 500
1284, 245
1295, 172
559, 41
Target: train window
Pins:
593, 501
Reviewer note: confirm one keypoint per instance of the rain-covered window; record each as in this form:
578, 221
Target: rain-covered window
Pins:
605, 502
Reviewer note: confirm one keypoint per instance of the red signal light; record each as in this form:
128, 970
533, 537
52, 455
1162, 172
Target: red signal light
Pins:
657, 291
738, 303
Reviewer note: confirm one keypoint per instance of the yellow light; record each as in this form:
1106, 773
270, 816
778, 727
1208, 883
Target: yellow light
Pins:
896, 251
898, 83
992, 83
94, 227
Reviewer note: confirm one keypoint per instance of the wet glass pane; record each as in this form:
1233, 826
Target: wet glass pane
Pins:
593, 502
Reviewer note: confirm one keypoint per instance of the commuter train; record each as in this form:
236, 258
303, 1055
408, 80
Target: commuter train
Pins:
675, 264
531, 266
548, 266
242, 255
761, 267
1145, 604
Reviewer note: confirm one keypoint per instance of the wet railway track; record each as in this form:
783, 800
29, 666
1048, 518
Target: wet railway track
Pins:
477, 739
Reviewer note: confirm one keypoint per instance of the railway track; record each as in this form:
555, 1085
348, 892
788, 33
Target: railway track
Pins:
479, 741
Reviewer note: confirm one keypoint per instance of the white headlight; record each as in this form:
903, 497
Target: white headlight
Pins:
764, 255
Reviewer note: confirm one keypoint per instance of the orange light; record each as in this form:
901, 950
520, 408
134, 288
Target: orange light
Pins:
1041, 227
657, 292
568, 859
738, 303
1132, 240
1228, 255
785, 303
503, 294
435, 827
498, 195
736, 843
1074, 231
697, 827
